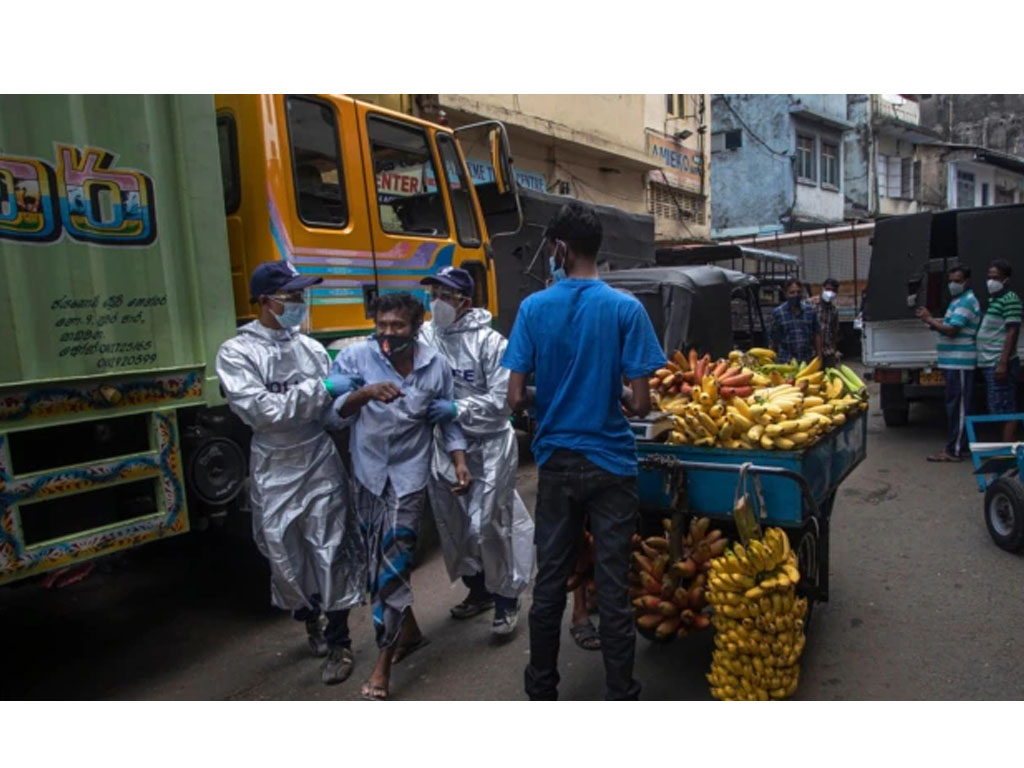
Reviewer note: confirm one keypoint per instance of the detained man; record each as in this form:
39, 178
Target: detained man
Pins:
487, 534
580, 338
391, 445
276, 381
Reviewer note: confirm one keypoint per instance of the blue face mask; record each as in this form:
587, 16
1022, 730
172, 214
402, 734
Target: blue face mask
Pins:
293, 315
557, 273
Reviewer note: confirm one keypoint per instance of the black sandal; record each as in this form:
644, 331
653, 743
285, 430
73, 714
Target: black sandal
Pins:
586, 636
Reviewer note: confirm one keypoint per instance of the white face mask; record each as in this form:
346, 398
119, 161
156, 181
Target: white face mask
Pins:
442, 313
828, 296
293, 315
994, 286
955, 289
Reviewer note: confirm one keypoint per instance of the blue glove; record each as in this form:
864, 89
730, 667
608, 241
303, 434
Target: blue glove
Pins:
442, 411
338, 384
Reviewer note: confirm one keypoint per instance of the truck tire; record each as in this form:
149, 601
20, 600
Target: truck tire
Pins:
1004, 513
896, 417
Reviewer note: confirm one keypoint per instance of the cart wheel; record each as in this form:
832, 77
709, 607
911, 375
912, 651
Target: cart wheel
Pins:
805, 543
1004, 513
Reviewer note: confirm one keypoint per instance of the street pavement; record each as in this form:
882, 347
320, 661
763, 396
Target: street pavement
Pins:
923, 606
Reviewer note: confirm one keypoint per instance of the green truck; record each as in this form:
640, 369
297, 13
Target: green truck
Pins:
116, 294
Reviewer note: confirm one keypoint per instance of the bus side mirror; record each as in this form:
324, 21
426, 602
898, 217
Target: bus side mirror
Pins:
501, 160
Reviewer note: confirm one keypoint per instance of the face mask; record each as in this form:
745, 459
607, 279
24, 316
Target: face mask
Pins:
828, 296
293, 315
557, 273
392, 345
994, 286
442, 313
794, 301
955, 289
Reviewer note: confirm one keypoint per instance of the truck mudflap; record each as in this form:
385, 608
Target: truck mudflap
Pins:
55, 517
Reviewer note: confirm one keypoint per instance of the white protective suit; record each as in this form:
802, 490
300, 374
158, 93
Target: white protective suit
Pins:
302, 517
489, 529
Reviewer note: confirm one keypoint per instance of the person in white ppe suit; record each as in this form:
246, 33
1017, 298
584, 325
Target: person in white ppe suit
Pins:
486, 535
277, 382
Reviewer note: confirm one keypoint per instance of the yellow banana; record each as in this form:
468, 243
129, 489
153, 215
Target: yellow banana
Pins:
811, 368
784, 444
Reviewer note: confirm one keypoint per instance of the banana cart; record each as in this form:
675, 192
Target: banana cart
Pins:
796, 490
999, 468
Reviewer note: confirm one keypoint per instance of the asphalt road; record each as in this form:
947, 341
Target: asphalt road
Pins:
923, 606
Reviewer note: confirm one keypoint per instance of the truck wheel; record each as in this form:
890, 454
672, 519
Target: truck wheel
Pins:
896, 417
1004, 513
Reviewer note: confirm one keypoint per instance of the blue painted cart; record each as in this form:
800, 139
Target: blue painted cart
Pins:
999, 468
798, 488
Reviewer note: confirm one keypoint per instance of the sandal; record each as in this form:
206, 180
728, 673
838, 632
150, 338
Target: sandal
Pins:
943, 456
402, 650
371, 692
586, 636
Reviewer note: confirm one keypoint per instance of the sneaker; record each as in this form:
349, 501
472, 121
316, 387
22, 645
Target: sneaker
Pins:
472, 606
337, 666
505, 620
317, 641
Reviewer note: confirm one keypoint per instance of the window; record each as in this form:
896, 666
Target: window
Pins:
829, 165
316, 162
675, 104
724, 140
227, 141
666, 202
407, 193
907, 178
1004, 195
805, 158
964, 189
458, 191
984, 194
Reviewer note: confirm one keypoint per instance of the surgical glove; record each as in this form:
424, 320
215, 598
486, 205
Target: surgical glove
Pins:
442, 411
338, 384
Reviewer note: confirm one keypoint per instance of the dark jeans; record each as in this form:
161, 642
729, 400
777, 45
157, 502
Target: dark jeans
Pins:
336, 632
571, 487
959, 396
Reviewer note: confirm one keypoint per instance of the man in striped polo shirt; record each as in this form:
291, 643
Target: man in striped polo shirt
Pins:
997, 344
957, 358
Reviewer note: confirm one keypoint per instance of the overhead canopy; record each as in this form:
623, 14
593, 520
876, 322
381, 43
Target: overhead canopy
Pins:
704, 254
688, 306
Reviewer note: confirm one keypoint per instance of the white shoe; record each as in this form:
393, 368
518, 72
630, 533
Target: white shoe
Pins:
505, 624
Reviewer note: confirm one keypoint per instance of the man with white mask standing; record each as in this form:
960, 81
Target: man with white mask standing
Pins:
487, 534
277, 382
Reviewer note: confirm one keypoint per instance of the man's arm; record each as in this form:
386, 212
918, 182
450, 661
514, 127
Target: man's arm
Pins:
938, 325
517, 399
818, 347
638, 402
1009, 345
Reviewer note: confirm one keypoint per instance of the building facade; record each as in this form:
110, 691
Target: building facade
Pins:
777, 162
641, 153
885, 157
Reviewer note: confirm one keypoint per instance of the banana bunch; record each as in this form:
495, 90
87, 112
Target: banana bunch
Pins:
668, 592
758, 620
685, 379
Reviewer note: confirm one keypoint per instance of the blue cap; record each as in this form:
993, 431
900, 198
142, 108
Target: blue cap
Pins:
273, 276
452, 277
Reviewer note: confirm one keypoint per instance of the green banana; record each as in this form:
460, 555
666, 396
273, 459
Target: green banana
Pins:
853, 381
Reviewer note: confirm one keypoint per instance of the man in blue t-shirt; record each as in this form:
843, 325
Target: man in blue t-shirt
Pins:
580, 339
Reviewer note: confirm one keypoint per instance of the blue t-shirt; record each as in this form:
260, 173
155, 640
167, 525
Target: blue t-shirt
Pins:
579, 338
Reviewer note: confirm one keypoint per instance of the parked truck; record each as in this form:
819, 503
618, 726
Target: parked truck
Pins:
910, 261
128, 228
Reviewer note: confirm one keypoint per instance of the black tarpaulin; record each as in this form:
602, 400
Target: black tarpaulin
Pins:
627, 242
688, 306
